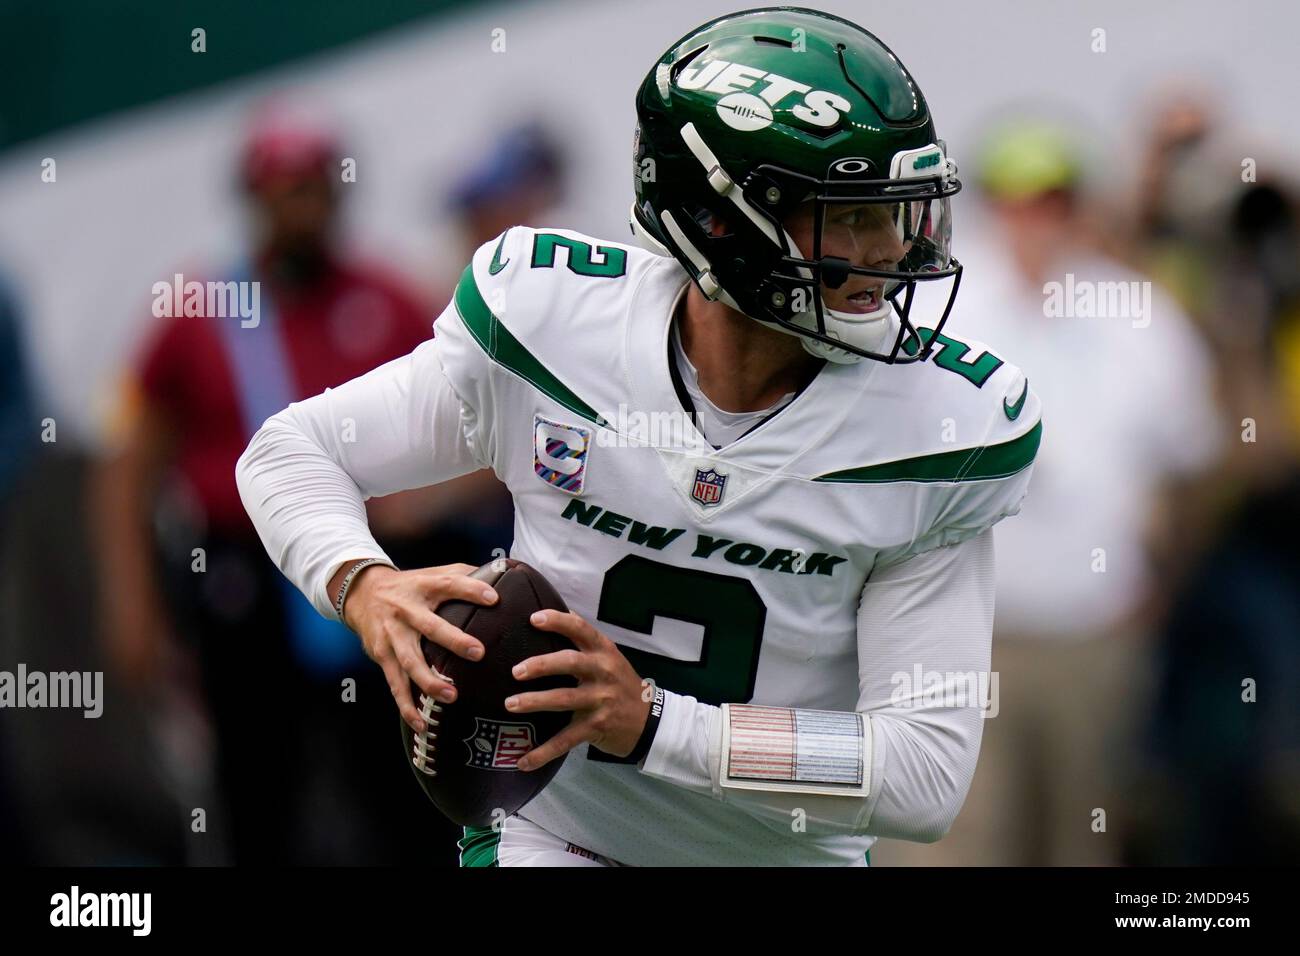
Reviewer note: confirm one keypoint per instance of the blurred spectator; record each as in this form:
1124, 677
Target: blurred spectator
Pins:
1184, 187
1127, 407
1221, 782
304, 775
515, 184
73, 790
1222, 769
1216, 222
18, 430
18, 425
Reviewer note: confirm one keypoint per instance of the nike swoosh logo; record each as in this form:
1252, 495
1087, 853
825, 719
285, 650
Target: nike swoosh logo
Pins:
1013, 411
497, 263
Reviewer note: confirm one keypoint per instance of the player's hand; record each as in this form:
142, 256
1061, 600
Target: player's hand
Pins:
390, 609
609, 705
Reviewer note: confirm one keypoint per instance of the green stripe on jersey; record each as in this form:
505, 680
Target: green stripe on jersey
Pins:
966, 464
479, 846
506, 350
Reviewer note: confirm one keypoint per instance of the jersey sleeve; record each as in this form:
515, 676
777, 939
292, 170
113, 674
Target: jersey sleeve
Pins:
306, 474
972, 488
472, 334
936, 609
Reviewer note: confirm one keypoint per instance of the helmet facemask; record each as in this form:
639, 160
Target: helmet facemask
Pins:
873, 238
866, 243
867, 236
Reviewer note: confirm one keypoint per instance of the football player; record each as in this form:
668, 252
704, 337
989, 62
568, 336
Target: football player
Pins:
762, 482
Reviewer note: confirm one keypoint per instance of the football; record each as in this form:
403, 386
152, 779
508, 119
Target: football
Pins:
466, 760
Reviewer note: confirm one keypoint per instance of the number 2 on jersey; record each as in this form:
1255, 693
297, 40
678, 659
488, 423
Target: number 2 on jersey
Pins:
636, 590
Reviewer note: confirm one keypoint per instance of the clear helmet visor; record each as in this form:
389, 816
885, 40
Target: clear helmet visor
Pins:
863, 252
876, 245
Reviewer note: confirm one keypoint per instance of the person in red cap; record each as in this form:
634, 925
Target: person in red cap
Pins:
177, 552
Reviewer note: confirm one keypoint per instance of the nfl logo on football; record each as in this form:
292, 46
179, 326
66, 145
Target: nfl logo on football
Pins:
708, 487
498, 746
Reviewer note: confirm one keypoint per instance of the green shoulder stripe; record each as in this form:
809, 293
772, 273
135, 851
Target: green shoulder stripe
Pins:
966, 464
506, 350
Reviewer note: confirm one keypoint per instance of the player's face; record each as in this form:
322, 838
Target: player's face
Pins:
296, 211
865, 234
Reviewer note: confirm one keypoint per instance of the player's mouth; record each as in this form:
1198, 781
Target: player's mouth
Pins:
864, 300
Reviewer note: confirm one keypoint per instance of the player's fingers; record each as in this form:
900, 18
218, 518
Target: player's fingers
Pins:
412, 662
439, 587
449, 636
561, 699
400, 688
567, 661
559, 745
425, 621
584, 636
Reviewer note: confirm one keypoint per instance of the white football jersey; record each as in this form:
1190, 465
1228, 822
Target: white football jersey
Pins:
730, 574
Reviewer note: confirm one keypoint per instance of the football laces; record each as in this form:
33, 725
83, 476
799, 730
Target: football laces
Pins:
422, 745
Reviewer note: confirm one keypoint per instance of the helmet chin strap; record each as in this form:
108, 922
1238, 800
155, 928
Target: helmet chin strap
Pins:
871, 334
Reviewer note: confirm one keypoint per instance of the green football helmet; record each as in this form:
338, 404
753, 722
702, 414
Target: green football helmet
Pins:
788, 161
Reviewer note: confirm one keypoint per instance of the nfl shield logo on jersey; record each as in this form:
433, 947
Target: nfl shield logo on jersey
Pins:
708, 487
498, 746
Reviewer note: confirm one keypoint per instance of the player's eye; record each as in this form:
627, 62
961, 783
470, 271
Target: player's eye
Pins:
849, 218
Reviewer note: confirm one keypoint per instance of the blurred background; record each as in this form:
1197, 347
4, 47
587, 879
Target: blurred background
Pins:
1148, 622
